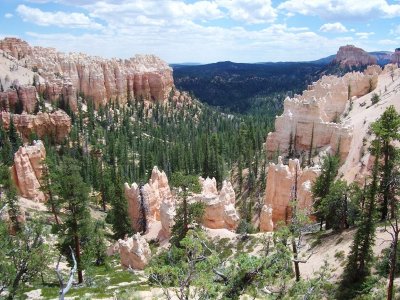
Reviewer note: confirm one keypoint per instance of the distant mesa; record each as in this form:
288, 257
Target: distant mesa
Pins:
396, 56
351, 56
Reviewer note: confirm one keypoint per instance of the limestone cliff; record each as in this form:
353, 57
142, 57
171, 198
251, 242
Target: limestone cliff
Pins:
56, 125
280, 191
65, 75
27, 171
311, 120
351, 56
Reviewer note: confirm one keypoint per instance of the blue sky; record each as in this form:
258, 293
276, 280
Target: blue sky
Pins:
207, 30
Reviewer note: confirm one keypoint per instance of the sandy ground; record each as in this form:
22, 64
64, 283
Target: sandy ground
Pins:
333, 244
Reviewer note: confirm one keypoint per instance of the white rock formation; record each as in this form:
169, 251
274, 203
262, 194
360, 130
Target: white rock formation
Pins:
220, 209
156, 199
134, 252
309, 118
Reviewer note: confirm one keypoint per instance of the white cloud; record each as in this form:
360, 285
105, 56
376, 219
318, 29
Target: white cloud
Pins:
192, 42
387, 42
364, 35
343, 9
249, 11
60, 19
8, 15
333, 27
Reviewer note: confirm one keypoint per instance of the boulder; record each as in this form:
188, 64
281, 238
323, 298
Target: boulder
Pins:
279, 192
134, 252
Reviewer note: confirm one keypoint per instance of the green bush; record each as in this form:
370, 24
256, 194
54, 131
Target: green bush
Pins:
375, 98
245, 227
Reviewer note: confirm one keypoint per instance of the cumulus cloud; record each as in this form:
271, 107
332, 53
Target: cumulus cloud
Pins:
342, 9
60, 19
8, 15
249, 11
333, 27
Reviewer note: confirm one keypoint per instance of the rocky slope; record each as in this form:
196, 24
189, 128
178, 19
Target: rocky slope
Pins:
351, 56
66, 75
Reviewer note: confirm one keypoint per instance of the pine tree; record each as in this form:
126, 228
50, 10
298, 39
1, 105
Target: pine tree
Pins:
360, 257
320, 189
75, 201
118, 215
386, 130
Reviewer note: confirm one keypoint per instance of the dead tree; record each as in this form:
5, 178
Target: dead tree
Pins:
64, 289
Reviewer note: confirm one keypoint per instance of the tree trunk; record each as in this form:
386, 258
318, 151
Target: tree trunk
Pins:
78, 257
393, 260
385, 181
295, 262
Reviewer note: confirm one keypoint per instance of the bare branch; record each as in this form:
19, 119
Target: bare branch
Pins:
64, 290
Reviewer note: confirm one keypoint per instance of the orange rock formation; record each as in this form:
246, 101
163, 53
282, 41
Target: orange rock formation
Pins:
143, 76
27, 171
56, 125
280, 191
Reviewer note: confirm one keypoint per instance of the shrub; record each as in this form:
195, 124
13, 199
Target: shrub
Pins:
245, 227
375, 98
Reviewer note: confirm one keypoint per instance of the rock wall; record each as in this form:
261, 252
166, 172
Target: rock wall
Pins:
143, 76
310, 117
27, 171
156, 199
25, 94
134, 252
280, 191
351, 56
56, 124
220, 209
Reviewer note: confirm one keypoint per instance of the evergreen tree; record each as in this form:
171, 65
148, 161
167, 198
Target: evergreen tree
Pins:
74, 196
386, 129
118, 215
360, 257
321, 187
